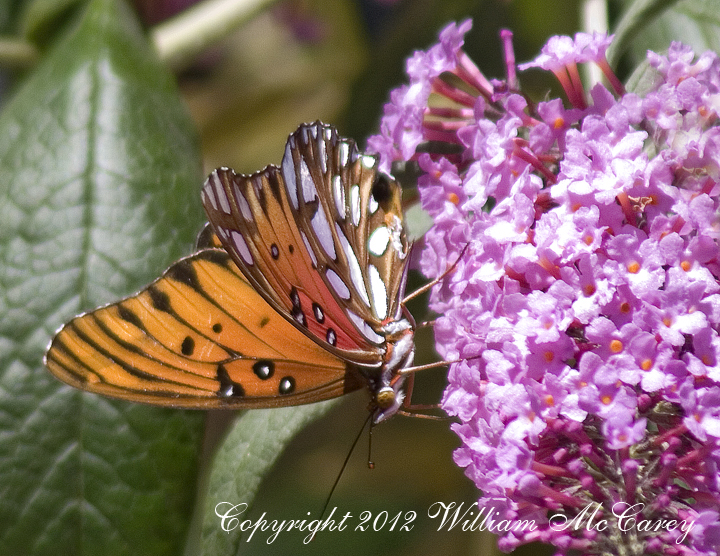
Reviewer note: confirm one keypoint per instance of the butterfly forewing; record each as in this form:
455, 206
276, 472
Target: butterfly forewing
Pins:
301, 234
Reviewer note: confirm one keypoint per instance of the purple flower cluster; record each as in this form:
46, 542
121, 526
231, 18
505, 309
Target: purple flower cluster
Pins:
586, 307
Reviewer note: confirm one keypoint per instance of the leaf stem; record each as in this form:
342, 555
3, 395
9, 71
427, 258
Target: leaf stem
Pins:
594, 18
180, 39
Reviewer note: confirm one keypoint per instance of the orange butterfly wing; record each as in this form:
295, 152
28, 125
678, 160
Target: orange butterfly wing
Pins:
303, 303
198, 337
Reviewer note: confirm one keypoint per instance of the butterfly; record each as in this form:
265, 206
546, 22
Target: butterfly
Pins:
293, 296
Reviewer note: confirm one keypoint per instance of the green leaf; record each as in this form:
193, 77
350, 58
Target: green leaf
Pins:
99, 192
644, 79
638, 14
654, 24
8, 14
41, 17
245, 457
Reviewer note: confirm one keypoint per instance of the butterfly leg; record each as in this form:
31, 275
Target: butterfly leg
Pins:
408, 409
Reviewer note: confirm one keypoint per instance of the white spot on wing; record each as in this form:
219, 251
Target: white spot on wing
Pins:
321, 228
372, 205
309, 250
308, 185
323, 154
378, 241
355, 204
242, 203
221, 195
396, 229
209, 197
241, 247
288, 172
365, 328
337, 284
368, 161
355, 272
339, 194
379, 292
344, 151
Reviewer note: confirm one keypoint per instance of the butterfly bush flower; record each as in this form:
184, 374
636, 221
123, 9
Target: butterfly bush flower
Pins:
586, 308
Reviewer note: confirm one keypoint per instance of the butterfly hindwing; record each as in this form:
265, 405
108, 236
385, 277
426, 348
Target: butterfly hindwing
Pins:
321, 238
199, 337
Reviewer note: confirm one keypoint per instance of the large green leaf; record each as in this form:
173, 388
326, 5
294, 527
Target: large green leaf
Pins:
654, 24
99, 180
244, 459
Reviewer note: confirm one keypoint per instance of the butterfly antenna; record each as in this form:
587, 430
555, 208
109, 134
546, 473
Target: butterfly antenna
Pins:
347, 459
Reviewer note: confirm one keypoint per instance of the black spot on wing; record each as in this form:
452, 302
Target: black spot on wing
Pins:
331, 337
295, 298
264, 369
318, 312
188, 346
287, 385
228, 387
299, 317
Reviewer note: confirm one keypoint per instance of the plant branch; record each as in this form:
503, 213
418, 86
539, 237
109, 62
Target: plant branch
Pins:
180, 39
17, 53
